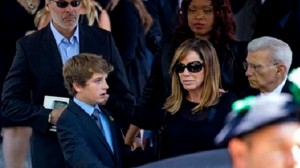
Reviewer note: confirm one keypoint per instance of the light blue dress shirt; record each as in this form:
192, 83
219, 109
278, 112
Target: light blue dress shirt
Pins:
104, 120
67, 48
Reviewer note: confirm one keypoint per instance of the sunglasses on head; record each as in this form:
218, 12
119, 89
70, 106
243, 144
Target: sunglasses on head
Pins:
195, 66
64, 4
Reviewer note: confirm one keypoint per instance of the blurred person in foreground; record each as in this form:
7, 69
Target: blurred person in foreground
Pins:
260, 132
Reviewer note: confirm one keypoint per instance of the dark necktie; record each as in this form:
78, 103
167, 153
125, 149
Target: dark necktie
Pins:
96, 117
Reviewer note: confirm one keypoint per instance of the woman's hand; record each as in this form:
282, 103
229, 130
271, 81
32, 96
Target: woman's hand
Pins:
131, 138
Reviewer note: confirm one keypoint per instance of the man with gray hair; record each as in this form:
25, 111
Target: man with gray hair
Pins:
267, 65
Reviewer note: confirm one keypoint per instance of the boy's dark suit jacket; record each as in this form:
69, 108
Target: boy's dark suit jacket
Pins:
37, 71
82, 142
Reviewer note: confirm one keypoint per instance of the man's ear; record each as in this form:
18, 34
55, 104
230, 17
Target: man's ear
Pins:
47, 5
281, 70
238, 151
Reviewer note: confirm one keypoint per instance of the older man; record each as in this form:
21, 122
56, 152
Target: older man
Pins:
267, 65
260, 132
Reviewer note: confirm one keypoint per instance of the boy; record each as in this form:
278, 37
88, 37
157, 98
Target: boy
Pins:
88, 138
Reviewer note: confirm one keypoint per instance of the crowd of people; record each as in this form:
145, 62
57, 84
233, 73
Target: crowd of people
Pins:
121, 83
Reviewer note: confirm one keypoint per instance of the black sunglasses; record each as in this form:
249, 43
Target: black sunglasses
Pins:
64, 4
195, 66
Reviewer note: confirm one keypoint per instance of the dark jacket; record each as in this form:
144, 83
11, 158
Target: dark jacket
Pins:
180, 133
165, 18
82, 142
11, 32
129, 35
283, 24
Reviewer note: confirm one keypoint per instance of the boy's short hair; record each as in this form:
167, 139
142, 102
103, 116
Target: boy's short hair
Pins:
80, 68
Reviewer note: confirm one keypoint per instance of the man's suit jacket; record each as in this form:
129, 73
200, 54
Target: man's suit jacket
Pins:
37, 71
82, 142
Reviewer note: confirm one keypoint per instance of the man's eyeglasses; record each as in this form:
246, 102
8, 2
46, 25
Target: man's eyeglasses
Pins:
64, 4
256, 68
195, 66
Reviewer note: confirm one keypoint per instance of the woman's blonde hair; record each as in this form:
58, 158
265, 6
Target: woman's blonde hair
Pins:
92, 9
42, 18
212, 78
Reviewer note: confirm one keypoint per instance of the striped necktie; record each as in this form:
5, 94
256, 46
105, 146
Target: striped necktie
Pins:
96, 117
104, 128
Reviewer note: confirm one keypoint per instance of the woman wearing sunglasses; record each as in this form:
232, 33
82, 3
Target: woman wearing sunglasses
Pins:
208, 19
195, 111
197, 106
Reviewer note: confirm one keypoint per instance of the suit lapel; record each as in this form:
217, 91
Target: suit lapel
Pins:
83, 40
51, 52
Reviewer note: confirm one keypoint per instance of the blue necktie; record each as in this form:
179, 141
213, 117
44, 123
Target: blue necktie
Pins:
96, 117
